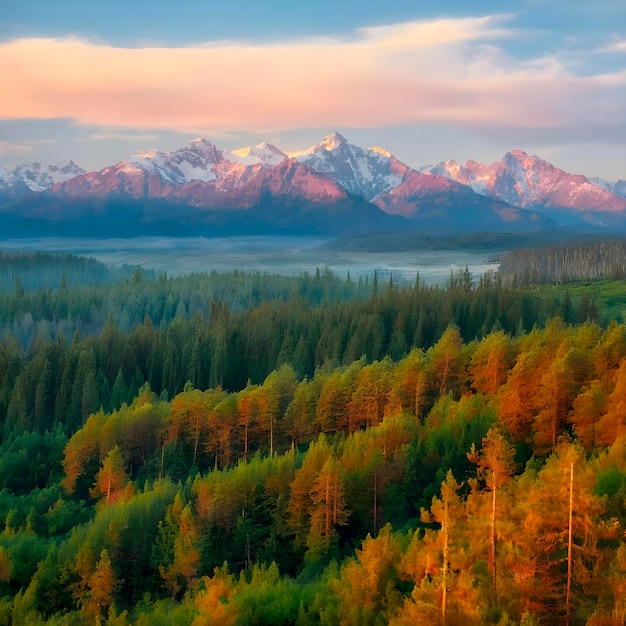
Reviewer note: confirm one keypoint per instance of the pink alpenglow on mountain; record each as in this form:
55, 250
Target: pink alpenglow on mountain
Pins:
530, 182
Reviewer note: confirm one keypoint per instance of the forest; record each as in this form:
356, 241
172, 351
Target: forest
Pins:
245, 448
563, 263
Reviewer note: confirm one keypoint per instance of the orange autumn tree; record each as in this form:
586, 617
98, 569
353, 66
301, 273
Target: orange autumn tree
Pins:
369, 395
558, 516
182, 569
328, 509
300, 506
612, 424
444, 592
491, 362
366, 587
112, 478
495, 468
101, 585
410, 379
558, 385
447, 363
299, 419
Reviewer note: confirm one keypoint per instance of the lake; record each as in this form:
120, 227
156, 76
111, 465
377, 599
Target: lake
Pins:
281, 255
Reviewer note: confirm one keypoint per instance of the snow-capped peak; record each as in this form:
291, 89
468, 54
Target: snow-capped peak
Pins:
11, 185
517, 154
381, 151
333, 142
263, 153
194, 162
366, 172
6, 177
207, 150
39, 177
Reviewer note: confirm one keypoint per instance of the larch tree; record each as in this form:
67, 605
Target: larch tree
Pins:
491, 361
112, 478
559, 519
448, 368
495, 467
446, 512
328, 509
612, 425
99, 596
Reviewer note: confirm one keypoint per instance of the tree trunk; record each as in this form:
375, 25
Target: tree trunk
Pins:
493, 541
444, 599
569, 544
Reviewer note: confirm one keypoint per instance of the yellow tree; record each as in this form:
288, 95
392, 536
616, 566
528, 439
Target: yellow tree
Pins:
222, 422
446, 358
445, 590
274, 397
299, 508
558, 514
101, 585
612, 425
328, 509
367, 584
410, 379
80, 449
495, 467
214, 601
491, 362
369, 396
587, 409
559, 384
300, 414
182, 571
610, 350
450, 571
111, 479
247, 415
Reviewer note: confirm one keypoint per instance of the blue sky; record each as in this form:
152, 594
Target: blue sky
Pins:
96, 81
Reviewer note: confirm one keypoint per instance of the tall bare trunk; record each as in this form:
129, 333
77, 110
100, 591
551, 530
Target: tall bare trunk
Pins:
109, 485
493, 541
444, 599
570, 533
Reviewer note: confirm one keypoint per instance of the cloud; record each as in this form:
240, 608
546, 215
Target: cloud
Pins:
616, 45
445, 71
117, 136
9, 148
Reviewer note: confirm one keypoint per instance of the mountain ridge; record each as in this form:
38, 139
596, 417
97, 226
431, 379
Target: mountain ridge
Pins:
528, 181
519, 193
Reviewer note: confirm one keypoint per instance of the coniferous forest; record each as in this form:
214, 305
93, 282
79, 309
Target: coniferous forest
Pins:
247, 448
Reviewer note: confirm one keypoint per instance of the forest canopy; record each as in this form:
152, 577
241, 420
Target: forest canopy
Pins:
248, 449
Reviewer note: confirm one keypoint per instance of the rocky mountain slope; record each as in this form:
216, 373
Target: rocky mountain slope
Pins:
332, 187
527, 181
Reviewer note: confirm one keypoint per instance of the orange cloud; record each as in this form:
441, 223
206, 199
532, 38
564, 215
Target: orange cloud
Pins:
449, 70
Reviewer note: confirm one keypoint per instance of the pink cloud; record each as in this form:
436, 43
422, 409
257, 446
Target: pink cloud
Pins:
429, 71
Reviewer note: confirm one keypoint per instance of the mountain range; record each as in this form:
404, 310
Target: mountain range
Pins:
332, 188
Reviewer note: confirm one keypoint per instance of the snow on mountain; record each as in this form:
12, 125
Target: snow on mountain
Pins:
12, 187
331, 176
365, 172
38, 177
193, 162
197, 161
478, 176
437, 201
616, 188
530, 182
7, 178
263, 153
200, 175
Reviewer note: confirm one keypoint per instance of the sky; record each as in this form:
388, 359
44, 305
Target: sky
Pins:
98, 81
